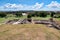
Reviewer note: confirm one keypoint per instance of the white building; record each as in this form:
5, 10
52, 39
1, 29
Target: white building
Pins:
24, 14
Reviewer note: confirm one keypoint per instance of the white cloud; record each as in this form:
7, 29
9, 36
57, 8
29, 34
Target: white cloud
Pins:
53, 4
38, 6
9, 6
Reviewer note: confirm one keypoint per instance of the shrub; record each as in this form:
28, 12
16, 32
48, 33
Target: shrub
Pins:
29, 16
52, 14
43, 14
40, 14
3, 15
18, 14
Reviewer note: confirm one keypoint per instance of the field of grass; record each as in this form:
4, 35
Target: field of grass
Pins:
11, 18
23, 17
57, 19
28, 32
41, 18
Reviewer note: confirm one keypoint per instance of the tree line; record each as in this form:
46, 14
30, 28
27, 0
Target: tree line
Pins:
31, 14
44, 14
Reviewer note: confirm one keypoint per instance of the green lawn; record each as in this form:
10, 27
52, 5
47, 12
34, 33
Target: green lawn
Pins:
11, 18
41, 18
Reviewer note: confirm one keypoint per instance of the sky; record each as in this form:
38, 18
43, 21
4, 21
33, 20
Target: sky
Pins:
39, 5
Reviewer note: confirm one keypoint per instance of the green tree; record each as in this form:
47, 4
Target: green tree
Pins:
3, 14
52, 14
18, 14
29, 16
43, 14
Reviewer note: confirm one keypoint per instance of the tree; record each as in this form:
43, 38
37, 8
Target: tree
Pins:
52, 14
3, 14
29, 17
18, 14
43, 14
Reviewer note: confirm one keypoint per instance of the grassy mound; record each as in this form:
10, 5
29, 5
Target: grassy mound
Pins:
28, 32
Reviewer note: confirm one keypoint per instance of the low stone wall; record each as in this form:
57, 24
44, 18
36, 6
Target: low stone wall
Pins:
26, 21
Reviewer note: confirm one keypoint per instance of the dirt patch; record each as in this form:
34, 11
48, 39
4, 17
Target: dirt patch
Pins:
28, 32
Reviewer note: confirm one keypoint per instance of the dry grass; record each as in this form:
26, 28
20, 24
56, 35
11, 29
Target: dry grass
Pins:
28, 32
57, 21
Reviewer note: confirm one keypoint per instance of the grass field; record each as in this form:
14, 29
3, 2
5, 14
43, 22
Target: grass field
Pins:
28, 32
11, 18
58, 19
23, 17
41, 18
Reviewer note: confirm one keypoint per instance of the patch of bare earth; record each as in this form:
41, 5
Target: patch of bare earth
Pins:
57, 21
28, 32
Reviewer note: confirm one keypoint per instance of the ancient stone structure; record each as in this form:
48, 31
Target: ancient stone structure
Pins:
49, 23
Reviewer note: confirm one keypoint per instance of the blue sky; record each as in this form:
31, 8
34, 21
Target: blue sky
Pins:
13, 5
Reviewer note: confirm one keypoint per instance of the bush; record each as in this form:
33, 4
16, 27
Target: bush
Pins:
18, 14
3, 15
52, 14
29, 16
43, 14
40, 14
33, 15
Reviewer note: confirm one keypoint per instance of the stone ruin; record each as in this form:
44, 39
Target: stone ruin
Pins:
18, 21
49, 23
